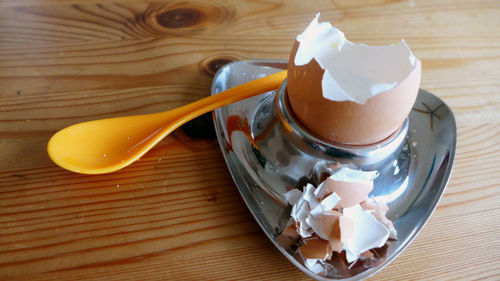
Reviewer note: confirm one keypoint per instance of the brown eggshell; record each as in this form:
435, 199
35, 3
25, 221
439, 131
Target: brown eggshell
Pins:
316, 249
381, 208
346, 228
379, 211
348, 122
331, 227
350, 193
291, 231
285, 241
367, 255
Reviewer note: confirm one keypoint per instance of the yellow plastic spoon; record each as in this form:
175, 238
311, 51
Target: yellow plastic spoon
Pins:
107, 145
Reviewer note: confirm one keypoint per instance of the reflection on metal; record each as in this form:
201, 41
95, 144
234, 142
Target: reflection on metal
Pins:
432, 112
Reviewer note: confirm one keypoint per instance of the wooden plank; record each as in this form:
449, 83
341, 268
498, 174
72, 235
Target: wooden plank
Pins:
176, 213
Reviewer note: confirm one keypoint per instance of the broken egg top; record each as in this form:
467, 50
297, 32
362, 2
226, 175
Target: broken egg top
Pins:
352, 72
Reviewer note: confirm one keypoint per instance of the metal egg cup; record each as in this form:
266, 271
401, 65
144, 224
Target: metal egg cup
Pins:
276, 153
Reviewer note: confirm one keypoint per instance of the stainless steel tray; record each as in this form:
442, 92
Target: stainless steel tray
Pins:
264, 168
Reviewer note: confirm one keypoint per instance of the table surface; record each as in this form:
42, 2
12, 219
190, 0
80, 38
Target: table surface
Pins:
176, 214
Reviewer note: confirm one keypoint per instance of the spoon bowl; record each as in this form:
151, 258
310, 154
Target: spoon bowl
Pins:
107, 145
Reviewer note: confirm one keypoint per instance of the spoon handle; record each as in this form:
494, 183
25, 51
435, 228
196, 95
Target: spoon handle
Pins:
107, 145
192, 110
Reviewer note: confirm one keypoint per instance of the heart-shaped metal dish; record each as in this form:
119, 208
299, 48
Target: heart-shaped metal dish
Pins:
267, 154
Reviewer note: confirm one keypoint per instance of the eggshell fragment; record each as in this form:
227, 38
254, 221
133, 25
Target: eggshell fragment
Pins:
316, 215
367, 255
354, 175
293, 196
330, 201
300, 212
369, 233
379, 210
315, 265
316, 249
372, 204
351, 193
346, 225
288, 237
317, 227
331, 227
291, 230
321, 190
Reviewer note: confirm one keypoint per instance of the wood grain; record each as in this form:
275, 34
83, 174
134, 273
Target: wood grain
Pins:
176, 213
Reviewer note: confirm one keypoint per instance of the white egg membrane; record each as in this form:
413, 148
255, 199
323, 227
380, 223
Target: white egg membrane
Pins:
353, 72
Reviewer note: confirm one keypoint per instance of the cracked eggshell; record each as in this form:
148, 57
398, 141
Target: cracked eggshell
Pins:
291, 230
367, 255
346, 228
293, 196
368, 233
379, 210
348, 122
330, 221
350, 193
316, 248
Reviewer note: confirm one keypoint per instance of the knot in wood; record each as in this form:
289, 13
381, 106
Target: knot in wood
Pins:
180, 18
211, 65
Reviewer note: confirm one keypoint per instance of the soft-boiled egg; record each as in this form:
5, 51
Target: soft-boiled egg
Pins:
350, 93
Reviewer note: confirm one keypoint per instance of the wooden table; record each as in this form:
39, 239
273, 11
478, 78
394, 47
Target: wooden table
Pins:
176, 213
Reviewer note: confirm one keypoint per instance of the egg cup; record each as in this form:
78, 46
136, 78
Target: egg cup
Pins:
269, 152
